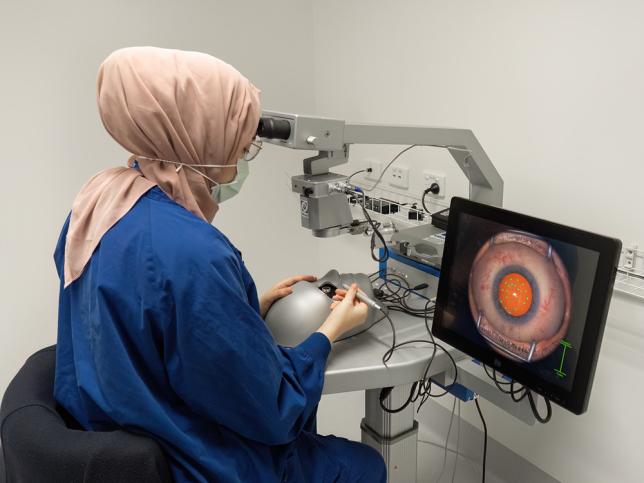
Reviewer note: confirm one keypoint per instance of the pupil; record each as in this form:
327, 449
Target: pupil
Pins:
515, 294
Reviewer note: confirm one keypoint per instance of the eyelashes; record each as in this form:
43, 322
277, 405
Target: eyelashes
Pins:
519, 295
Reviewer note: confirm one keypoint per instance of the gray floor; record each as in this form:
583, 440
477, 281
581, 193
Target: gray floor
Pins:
430, 466
340, 414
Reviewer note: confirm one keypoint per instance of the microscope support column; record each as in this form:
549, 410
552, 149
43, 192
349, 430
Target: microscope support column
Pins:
393, 435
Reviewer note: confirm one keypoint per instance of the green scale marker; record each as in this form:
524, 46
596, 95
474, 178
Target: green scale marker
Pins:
566, 345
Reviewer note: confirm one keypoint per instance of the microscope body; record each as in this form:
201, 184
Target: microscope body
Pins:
323, 204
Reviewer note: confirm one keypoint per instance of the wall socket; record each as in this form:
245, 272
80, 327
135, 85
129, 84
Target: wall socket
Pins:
630, 254
376, 169
430, 177
399, 176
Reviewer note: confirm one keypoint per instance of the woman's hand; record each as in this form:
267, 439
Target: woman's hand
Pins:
280, 290
340, 293
347, 313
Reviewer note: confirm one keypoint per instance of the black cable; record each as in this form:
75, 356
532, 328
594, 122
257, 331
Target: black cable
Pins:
422, 200
362, 331
535, 411
376, 233
374, 273
396, 297
520, 394
493, 377
385, 392
394, 306
388, 281
400, 300
407, 290
497, 381
478, 408
498, 384
398, 277
400, 303
435, 189
513, 393
420, 390
368, 170
386, 356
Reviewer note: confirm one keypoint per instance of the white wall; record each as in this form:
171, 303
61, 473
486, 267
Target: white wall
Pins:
52, 140
554, 91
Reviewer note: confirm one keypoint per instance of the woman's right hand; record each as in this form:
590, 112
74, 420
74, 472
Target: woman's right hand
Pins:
347, 314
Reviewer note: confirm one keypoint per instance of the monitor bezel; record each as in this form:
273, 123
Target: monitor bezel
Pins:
609, 249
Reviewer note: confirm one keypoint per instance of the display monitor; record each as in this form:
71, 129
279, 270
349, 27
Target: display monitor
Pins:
526, 297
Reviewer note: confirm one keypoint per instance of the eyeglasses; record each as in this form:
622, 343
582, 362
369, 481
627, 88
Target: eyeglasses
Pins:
253, 150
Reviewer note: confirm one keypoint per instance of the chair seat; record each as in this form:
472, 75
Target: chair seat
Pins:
42, 443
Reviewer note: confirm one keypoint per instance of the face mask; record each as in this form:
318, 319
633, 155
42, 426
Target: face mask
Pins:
220, 192
225, 191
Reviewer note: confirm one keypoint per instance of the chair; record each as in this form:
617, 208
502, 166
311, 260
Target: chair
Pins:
41, 442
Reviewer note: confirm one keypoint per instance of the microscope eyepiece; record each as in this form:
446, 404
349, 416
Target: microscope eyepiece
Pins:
274, 128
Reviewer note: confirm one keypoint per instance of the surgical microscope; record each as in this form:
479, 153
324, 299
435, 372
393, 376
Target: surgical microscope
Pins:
325, 200
324, 207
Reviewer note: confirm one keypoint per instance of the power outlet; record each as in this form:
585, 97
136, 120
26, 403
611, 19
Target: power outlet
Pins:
431, 177
399, 176
376, 169
630, 254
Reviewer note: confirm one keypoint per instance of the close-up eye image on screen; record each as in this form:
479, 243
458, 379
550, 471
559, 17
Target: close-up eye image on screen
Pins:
527, 297
519, 295
515, 293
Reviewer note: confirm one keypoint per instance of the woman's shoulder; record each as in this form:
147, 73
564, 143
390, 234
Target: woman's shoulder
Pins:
177, 233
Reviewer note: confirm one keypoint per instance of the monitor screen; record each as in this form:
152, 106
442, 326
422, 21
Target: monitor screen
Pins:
527, 297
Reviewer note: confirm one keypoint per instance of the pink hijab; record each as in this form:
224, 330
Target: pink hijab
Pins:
162, 104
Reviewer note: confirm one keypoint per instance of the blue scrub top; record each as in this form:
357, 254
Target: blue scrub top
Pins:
161, 335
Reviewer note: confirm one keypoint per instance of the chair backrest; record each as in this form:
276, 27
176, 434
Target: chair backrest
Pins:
39, 446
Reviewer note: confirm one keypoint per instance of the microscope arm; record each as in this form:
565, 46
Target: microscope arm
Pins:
486, 185
324, 208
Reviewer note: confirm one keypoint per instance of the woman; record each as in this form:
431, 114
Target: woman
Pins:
160, 327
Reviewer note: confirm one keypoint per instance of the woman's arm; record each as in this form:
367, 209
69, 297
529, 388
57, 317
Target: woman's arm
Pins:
223, 362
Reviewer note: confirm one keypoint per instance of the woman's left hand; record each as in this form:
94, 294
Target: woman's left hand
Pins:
280, 290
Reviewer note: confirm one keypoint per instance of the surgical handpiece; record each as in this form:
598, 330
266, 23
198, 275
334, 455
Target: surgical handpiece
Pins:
364, 298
